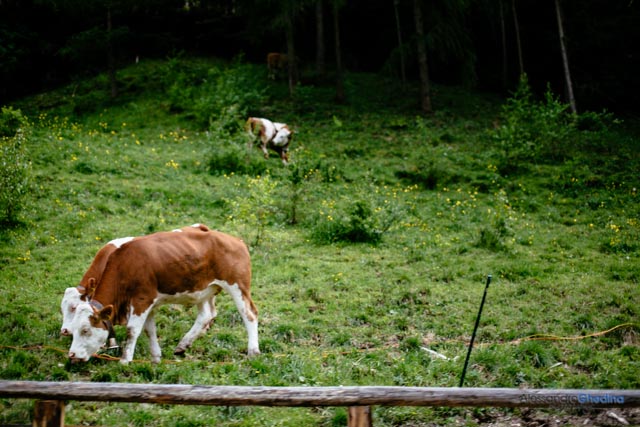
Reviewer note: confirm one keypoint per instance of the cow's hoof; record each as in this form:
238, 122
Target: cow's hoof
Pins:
179, 351
253, 352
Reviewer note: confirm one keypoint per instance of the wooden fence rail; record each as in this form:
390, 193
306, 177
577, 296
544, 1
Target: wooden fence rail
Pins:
352, 396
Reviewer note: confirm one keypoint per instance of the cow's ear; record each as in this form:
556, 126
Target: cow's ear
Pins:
91, 287
106, 313
82, 291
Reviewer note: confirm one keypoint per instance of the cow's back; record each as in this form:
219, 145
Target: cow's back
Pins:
170, 263
198, 257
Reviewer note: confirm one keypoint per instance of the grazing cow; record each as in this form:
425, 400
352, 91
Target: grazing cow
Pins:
190, 267
73, 295
276, 64
276, 136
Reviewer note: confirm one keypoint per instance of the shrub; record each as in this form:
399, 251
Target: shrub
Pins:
234, 158
11, 121
426, 174
299, 174
490, 239
14, 164
254, 207
354, 223
228, 95
621, 238
216, 97
595, 122
531, 130
363, 220
182, 80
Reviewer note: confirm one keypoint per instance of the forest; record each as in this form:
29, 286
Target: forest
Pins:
585, 50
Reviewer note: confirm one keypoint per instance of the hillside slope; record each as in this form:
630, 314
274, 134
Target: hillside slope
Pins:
371, 246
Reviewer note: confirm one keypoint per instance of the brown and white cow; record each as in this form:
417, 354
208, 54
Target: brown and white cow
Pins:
276, 136
73, 295
190, 267
276, 64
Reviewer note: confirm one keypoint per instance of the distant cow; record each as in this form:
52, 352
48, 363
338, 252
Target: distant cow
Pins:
276, 64
276, 136
189, 267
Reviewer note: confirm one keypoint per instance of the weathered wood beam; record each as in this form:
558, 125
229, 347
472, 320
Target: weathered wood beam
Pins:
318, 396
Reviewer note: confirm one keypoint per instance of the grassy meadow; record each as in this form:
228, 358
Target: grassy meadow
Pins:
373, 244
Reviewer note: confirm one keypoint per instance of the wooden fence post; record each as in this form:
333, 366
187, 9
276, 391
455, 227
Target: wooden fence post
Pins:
48, 413
359, 416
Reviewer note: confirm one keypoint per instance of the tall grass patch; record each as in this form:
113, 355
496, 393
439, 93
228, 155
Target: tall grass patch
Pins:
15, 165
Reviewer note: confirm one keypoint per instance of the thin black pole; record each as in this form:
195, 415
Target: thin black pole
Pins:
475, 329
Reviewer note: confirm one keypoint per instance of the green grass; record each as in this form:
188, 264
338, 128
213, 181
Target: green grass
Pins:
434, 212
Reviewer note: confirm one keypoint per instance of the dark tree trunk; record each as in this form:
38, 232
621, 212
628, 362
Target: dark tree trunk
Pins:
321, 68
516, 25
340, 96
291, 52
503, 34
111, 60
565, 60
425, 86
403, 74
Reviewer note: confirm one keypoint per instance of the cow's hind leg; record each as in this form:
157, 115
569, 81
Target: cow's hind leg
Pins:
249, 315
206, 314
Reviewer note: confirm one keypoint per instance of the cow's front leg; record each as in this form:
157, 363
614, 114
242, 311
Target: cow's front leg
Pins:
203, 321
134, 327
264, 150
154, 346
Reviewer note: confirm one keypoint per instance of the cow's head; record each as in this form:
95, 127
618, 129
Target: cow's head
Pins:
283, 136
70, 301
281, 141
90, 329
72, 297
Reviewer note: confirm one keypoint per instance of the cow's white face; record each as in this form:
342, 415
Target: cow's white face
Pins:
282, 137
68, 306
89, 333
